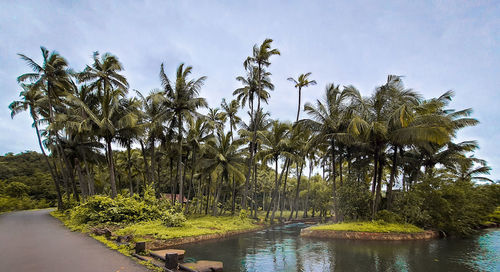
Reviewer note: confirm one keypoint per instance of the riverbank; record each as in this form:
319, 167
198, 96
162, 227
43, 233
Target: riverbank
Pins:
157, 235
377, 230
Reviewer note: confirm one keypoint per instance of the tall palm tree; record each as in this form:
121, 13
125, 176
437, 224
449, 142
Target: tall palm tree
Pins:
152, 119
110, 86
327, 120
31, 100
182, 103
52, 78
259, 78
301, 82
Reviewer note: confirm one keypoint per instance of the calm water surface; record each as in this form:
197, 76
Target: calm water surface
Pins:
282, 249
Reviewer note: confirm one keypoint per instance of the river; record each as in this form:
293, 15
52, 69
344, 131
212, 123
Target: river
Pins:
282, 249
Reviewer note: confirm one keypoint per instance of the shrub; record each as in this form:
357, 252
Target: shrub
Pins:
17, 189
243, 214
8, 203
173, 219
388, 217
123, 209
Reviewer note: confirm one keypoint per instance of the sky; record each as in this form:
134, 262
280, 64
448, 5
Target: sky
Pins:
436, 45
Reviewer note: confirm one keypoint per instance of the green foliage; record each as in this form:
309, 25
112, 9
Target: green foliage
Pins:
17, 189
354, 200
8, 203
494, 216
123, 209
389, 217
456, 207
244, 214
375, 226
29, 169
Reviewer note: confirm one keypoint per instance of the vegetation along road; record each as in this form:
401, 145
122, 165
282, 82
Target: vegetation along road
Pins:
35, 241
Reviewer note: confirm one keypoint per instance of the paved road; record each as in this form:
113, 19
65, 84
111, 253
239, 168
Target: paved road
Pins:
34, 241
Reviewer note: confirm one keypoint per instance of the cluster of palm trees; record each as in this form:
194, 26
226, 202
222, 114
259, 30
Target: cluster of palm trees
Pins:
393, 138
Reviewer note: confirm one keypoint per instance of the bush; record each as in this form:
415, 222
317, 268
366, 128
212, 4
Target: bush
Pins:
17, 189
124, 209
8, 203
353, 200
243, 214
388, 217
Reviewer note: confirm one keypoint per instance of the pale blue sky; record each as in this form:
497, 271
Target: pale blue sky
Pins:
436, 45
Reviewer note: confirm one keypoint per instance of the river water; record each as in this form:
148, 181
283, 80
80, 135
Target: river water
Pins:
282, 249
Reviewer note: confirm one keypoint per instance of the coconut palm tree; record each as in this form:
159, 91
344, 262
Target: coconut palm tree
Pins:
181, 104
327, 120
258, 81
224, 158
32, 99
110, 87
301, 82
275, 143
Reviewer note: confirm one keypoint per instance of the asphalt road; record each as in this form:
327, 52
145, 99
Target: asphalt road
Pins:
34, 241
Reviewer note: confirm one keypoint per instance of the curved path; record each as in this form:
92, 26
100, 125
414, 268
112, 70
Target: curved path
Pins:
35, 241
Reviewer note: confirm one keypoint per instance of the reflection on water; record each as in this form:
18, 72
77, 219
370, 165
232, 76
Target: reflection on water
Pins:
282, 249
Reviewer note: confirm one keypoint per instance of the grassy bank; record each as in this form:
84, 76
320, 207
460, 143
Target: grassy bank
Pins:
194, 226
370, 226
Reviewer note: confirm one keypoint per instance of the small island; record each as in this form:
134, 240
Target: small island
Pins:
369, 230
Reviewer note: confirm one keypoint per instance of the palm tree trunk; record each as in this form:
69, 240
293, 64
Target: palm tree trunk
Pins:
111, 169
208, 192
216, 195
308, 189
179, 161
254, 192
378, 193
144, 158
129, 173
284, 190
193, 166
153, 165
392, 178
90, 180
54, 177
341, 160
296, 201
298, 108
275, 192
81, 179
335, 208
247, 178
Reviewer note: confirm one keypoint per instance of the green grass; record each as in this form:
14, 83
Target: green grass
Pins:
64, 218
369, 226
194, 226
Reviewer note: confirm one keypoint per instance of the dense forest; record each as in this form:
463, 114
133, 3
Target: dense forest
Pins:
392, 155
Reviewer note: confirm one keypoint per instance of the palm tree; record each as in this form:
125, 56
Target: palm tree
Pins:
181, 104
258, 81
275, 143
110, 88
198, 136
231, 111
225, 159
152, 119
328, 122
31, 100
300, 82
